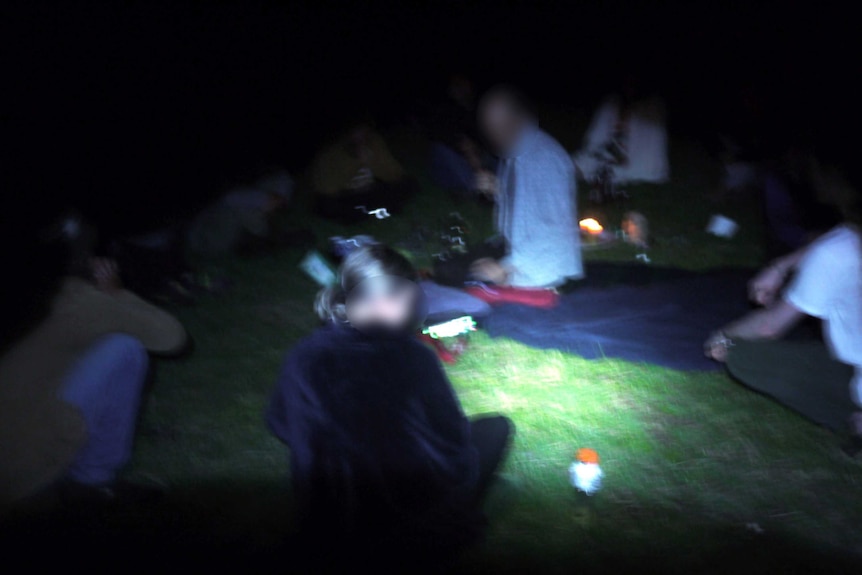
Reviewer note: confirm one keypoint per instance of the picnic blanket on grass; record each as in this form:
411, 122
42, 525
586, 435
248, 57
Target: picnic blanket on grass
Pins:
633, 312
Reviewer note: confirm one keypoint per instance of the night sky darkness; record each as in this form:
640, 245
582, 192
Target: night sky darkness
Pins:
141, 109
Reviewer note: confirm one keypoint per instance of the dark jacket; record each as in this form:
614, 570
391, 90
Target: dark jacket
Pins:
378, 442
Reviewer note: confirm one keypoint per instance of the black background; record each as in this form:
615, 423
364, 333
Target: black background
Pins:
142, 108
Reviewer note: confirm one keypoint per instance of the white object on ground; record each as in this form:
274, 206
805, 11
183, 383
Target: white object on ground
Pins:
379, 213
586, 477
451, 328
722, 226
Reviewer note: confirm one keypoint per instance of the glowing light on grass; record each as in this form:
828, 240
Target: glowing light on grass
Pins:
591, 226
584, 472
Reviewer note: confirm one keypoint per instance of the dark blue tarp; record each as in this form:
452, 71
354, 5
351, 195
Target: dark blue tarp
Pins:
637, 313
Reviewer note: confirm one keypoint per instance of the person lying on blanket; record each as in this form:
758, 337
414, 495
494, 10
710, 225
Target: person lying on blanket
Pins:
823, 280
534, 190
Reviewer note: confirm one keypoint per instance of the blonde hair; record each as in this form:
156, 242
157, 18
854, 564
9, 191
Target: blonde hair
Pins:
362, 263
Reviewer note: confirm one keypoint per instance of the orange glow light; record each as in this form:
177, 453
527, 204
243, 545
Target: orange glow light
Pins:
587, 455
591, 226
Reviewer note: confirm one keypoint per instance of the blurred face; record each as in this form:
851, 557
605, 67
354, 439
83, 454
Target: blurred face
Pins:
384, 301
501, 124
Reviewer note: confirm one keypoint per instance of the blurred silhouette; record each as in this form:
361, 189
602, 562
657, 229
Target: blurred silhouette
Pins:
355, 174
70, 387
626, 142
240, 220
456, 151
383, 460
158, 263
821, 280
744, 134
536, 209
796, 208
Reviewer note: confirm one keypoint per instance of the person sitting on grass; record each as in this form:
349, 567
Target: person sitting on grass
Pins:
382, 457
628, 137
71, 385
456, 149
357, 173
823, 280
534, 188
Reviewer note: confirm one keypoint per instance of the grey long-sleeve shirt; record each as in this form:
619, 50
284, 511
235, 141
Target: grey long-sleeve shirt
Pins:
537, 211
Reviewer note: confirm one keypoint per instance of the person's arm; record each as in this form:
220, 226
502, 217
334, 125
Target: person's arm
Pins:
491, 270
763, 324
300, 417
441, 405
159, 331
806, 295
106, 308
764, 288
769, 323
484, 181
487, 184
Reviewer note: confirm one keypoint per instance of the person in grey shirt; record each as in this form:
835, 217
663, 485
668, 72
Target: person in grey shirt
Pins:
535, 194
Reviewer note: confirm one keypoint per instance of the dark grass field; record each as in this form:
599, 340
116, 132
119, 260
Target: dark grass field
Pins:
702, 476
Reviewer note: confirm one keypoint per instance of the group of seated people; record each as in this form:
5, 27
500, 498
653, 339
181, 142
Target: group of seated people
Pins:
381, 452
626, 140
159, 262
764, 149
532, 182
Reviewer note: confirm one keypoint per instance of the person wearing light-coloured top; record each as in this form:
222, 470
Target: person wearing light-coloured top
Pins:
535, 194
638, 129
820, 380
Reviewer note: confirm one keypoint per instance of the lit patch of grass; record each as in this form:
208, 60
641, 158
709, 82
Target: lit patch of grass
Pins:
681, 452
